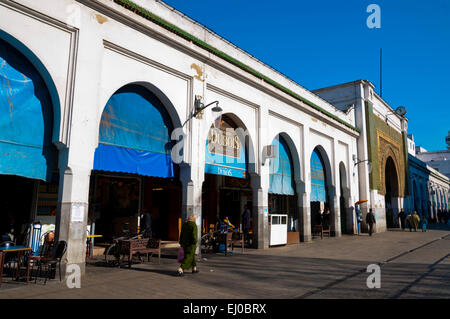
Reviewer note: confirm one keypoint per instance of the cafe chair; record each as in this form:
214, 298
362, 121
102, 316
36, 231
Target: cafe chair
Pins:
51, 262
45, 251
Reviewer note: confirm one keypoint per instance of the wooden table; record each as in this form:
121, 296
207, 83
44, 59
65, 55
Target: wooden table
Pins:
21, 250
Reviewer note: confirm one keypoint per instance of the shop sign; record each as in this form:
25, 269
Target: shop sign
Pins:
225, 154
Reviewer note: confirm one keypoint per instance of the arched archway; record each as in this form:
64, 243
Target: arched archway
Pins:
46, 79
28, 158
321, 183
392, 191
284, 171
133, 170
229, 168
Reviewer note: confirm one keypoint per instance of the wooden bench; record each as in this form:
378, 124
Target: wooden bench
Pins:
237, 240
131, 247
319, 229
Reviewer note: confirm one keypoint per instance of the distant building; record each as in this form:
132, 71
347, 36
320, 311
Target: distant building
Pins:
430, 189
439, 160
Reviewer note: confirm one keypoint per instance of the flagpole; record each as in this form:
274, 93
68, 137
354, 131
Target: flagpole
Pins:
381, 72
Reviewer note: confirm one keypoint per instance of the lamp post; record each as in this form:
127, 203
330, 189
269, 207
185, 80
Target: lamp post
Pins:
199, 106
357, 161
400, 111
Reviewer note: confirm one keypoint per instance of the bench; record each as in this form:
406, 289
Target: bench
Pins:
237, 240
131, 247
319, 229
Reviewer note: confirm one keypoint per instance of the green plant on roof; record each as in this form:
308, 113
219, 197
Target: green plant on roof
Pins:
168, 26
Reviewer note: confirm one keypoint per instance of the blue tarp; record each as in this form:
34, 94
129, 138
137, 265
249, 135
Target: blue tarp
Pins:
318, 190
26, 118
281, 170
135, 135
126, 160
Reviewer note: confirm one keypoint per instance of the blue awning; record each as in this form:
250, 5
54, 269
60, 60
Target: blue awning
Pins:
135, 135
26, 118
281, 170
318, 188
126, 160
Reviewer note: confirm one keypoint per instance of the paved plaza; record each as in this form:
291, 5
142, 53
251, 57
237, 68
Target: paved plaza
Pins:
413, 265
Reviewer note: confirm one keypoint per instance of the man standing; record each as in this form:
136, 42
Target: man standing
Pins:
370, 220
402, 217
326, 218
246, 222
146, 224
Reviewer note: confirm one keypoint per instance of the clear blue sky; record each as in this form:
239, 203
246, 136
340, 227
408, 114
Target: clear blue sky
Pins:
325, 42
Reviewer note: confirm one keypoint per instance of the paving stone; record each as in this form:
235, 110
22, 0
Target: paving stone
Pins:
328, 268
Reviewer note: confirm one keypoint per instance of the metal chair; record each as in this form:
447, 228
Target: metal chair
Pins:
44, 252
55, 258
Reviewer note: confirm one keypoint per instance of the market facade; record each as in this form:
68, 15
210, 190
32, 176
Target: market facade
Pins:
430, 189
382, 159
99, 127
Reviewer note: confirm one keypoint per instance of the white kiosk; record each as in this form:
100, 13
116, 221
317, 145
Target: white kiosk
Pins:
278, 229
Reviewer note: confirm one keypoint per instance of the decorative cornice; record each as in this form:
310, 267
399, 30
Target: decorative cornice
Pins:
146, 14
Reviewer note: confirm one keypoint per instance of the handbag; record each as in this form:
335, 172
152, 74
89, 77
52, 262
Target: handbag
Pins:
180, 254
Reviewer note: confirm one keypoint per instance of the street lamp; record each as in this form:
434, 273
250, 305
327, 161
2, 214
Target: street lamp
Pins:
199, 106
357, 161
400, 111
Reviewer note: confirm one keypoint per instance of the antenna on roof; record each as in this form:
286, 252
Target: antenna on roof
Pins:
381, 72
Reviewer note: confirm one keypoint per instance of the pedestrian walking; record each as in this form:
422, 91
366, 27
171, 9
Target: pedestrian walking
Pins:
402, 217
188, 241
415, 220
246, 222
424, 223
370, 220
408, 222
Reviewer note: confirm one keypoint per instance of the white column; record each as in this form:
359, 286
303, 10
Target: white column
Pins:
304, 191
335, 193
71, 219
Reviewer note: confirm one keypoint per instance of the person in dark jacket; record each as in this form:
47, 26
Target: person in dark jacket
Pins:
188, 240
146, 224
402, 217
370, 220
246, 222
326, 217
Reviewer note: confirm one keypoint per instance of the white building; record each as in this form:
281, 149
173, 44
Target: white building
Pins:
115, 88
430, 189
430, 182
439, 160
382, 149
